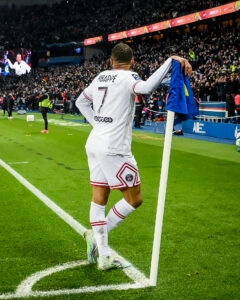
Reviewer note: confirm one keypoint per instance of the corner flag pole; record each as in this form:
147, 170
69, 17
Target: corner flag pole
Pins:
161, 198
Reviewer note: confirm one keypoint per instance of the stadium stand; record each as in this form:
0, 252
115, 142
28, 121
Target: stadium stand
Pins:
216, 52
58, 23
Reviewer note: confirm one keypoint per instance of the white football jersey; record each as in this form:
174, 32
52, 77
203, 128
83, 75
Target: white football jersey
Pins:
20, 68
113, 98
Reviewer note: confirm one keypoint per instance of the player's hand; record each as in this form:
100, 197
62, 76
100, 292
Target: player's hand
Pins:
184, 64
6, 60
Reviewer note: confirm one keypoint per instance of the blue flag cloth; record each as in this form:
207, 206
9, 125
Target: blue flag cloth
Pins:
181, 99
6, 69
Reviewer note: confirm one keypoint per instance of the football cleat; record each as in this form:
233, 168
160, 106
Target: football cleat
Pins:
108, 262
91, 246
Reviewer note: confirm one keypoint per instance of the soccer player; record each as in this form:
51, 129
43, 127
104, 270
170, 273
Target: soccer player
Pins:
20, 66
108, 103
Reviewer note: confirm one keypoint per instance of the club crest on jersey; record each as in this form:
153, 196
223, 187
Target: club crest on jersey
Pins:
136, 76
129, 177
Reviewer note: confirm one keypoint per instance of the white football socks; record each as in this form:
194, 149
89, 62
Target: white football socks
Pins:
99, 226
118, 213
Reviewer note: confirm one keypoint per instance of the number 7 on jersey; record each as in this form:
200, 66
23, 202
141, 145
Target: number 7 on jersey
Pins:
103, 89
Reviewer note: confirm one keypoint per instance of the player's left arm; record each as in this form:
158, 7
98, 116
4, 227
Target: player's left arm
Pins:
153, 82
84, 102
28, 68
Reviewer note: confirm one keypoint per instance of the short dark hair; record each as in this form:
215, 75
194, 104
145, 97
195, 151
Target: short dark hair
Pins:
122, 53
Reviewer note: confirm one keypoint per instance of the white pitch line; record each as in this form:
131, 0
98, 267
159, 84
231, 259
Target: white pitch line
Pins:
25, 288
140, 280
87, 289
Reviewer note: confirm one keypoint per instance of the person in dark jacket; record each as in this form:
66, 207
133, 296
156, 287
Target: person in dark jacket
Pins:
230, 107
138, 111
9, 105
44, 105
4, 104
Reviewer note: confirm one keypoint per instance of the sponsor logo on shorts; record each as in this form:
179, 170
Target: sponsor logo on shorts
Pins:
103, 119
129, 177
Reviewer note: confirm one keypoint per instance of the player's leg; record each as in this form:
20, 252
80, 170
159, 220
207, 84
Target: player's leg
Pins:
100, 195
123, 208
122, 173
98, 218
44, 115
133, 196
97, 237
99, 228
10, 113
46, 120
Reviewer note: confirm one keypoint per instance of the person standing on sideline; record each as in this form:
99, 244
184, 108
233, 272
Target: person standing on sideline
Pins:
108, 104
230, 108
4, 104
65, 102
138, 111
237, 104
9, 105
44, 105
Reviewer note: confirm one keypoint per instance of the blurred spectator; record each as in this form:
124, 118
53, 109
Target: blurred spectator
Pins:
237, 103
138, 112
4, 104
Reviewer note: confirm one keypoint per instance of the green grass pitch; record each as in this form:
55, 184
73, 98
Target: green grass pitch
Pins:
200, 251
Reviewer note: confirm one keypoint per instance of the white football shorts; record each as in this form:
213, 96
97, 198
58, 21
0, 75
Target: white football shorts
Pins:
113, 171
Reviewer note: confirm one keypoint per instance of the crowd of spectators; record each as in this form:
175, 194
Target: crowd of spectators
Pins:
214, 54
148, 12
74, 20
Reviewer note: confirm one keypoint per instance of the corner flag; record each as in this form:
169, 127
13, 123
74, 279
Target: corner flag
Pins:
6, 69
181, 99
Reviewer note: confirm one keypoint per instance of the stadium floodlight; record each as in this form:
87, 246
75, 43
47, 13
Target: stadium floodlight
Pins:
161, 198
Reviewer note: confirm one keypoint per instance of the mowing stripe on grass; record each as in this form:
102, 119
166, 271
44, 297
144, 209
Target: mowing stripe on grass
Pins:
18, 162
140, 281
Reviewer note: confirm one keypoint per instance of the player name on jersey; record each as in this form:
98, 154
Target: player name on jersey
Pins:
106, 78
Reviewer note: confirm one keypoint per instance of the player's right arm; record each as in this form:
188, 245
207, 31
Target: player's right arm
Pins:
10, 64
84, 102
153, 82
